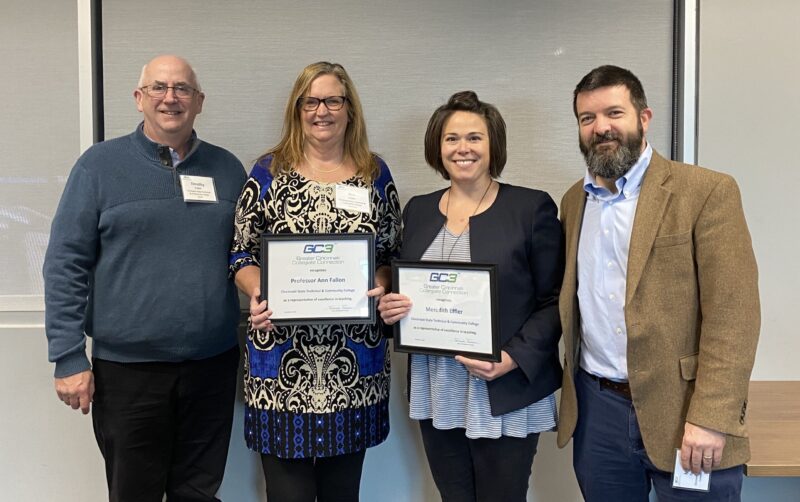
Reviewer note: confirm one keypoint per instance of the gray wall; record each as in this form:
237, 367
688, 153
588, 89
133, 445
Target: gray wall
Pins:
406, 58
523, 56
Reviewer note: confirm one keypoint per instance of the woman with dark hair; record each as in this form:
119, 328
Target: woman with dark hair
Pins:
480, 421
316, 396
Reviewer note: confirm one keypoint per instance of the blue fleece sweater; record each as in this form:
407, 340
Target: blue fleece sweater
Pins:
134, 266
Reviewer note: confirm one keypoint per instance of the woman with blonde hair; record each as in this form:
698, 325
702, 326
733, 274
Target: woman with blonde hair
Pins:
317, 395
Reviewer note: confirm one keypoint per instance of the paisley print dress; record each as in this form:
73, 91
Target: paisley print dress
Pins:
315, 390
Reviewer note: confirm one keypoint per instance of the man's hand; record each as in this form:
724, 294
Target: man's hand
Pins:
487, 370
76, 390
701, 448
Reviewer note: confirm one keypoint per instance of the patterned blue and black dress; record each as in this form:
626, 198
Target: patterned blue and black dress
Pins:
315, 390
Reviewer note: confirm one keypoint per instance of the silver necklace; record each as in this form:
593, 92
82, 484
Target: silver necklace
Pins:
319, 170
444, 225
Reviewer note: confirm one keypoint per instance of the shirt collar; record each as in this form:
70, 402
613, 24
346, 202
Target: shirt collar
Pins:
176, 159
628, 185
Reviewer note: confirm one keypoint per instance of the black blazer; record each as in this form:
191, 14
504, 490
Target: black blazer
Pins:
521, 234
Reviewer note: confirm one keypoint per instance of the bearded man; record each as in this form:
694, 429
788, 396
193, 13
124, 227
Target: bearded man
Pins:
659, 307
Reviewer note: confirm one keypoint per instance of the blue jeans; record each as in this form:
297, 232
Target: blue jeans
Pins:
610, 460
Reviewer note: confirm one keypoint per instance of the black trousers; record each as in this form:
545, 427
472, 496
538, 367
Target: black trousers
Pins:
164, 428
324, 479
478, 470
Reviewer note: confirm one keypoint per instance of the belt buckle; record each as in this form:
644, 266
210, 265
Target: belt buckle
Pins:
621, 388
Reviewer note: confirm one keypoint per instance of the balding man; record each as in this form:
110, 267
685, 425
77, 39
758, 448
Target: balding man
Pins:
137, 261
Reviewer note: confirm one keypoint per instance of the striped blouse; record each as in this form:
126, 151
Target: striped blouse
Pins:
442, 389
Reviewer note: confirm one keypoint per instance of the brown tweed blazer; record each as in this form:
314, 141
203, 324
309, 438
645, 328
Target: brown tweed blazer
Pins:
691, 308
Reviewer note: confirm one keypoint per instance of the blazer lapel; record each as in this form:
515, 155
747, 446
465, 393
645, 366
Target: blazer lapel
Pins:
650, 209
574, 206
573, 234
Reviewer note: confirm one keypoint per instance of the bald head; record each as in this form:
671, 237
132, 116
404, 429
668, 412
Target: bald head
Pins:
169, 97
168, 61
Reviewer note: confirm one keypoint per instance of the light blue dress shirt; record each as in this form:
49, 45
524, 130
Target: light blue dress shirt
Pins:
602, 271
176, 159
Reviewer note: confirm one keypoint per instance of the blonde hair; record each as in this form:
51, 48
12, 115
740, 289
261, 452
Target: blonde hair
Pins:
289, 151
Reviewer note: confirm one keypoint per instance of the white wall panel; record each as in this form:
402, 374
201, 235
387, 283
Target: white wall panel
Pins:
748, 109
39, 131
748, 112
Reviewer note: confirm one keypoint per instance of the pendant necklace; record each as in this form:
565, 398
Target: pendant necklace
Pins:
317, 169
444, 226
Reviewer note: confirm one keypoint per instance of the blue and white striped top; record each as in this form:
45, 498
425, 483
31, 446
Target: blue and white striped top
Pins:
442, 389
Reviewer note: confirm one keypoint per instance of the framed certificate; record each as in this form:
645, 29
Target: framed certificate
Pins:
318, 278
454, 309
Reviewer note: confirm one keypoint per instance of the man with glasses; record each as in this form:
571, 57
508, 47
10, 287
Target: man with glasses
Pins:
137, 261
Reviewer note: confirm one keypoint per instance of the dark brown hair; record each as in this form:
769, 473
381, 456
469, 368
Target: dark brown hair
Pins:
610, 76
466, 101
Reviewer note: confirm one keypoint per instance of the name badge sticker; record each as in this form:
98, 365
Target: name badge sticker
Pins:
686, 480
198, 189
352, 198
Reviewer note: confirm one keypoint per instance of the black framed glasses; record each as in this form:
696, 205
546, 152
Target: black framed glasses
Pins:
181, 91
332, 103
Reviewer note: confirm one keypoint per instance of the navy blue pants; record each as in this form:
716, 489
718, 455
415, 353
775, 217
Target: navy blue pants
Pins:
610, 460
164, 428
478, 470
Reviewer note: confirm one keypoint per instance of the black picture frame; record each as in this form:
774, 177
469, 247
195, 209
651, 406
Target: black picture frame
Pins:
318, 243
403, 344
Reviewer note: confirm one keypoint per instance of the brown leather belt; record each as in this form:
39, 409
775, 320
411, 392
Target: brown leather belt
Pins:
621, 388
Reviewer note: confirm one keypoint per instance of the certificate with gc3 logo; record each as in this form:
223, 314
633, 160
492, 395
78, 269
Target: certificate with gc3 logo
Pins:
453, 312
318, 278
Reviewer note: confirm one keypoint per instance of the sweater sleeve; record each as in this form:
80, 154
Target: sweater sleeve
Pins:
68, 264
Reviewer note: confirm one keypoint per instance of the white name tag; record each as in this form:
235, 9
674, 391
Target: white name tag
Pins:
352, 198
686, 480
198, 189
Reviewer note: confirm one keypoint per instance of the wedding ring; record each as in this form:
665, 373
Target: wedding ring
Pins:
707, 458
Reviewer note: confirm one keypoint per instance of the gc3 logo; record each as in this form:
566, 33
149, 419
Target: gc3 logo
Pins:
443, 277
318, 248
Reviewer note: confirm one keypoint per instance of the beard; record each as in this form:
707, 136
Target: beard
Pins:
608, 162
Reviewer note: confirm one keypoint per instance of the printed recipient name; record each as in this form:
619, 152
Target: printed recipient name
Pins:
310, 280
444, 310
